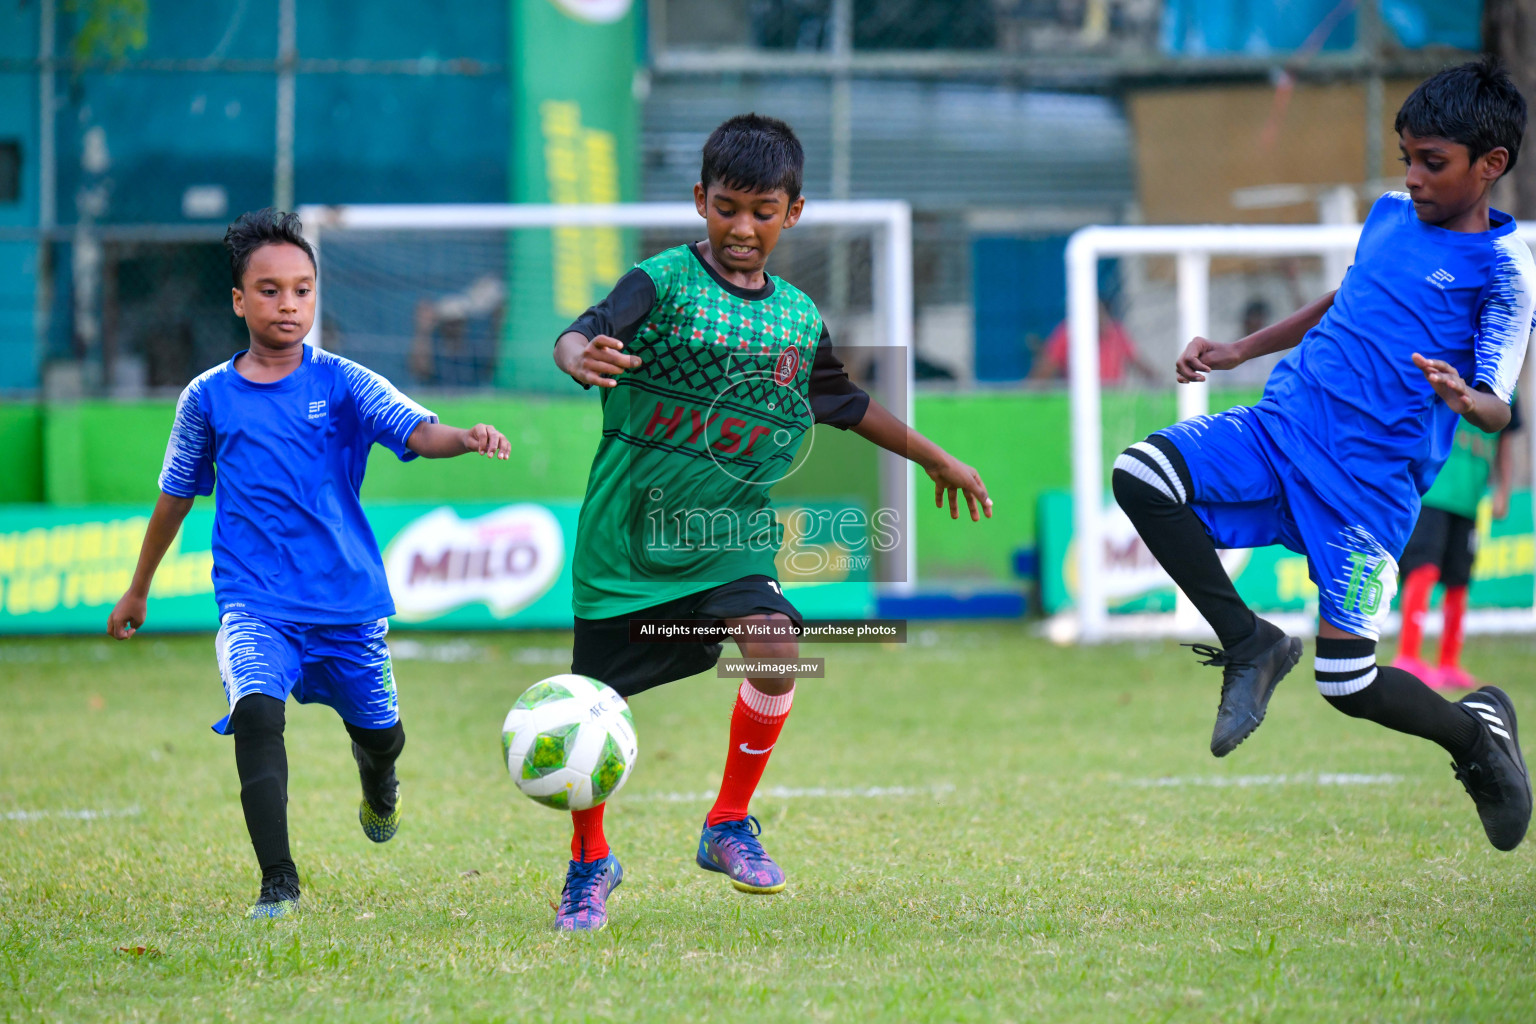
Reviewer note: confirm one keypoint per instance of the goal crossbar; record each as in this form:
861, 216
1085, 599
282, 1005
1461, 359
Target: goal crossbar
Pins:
888, 220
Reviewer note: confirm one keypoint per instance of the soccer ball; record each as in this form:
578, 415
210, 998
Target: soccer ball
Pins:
569, 742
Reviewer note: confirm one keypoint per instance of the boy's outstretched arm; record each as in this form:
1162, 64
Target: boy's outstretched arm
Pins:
128, 615
440, 441
1479, 406
593, 362
947, 472
1201, 356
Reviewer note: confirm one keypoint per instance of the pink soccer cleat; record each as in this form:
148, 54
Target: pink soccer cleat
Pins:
1413, 666
1452, 677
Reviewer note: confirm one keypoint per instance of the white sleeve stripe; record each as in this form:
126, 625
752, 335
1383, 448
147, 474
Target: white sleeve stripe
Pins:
378, 401
1504, 322
188, 446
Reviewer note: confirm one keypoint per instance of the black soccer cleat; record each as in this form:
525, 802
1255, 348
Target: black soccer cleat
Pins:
379, 810
1249, 672
1494, 772
279, 898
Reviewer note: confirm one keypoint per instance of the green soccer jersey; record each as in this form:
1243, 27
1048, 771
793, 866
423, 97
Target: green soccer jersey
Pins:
731, 381
1463, 480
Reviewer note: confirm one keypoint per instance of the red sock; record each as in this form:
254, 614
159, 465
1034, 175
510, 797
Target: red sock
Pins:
1416, 590
755, 724
1450, 639
588, 843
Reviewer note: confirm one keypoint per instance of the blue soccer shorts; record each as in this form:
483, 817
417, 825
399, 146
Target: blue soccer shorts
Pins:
1249, 494
346, 668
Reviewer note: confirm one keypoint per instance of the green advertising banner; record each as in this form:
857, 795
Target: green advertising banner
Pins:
62, 569
472, 565
574, 139
1269, 579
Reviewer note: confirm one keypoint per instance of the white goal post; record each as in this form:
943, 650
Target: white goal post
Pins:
1192, 248
887, 222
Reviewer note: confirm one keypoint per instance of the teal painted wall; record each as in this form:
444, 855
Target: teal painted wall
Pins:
18, 258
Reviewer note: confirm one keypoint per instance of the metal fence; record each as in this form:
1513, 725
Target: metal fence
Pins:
1000, 121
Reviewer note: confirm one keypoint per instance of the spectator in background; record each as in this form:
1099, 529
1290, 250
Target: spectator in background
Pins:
1256, 316
1116, 353
1443, 548
456, 336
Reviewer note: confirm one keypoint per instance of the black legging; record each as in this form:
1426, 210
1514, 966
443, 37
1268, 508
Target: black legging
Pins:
262, 762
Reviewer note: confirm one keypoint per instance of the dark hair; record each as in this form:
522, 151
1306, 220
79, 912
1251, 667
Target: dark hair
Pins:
263, 227
1474, 104
755, 154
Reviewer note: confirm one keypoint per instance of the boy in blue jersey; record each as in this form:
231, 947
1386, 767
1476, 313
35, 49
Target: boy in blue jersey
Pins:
285, 430
1430, 325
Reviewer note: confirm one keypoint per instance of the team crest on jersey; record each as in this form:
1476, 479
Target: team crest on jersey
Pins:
787, 367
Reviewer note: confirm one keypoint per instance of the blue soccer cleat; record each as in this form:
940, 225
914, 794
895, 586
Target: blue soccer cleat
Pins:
732, 849
584, 900
279, 898
378, 827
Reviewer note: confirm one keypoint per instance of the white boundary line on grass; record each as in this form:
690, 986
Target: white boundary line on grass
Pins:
1246, 781
797, 793
87, 815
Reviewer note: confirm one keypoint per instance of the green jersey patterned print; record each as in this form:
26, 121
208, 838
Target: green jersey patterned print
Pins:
1463, 480
693, 440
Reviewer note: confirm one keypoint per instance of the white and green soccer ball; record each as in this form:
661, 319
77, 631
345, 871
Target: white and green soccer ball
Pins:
569, 742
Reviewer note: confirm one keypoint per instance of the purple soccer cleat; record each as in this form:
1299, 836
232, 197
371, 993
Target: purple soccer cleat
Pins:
732, 849
584, 900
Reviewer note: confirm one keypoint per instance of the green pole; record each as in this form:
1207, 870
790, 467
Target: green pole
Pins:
574, 139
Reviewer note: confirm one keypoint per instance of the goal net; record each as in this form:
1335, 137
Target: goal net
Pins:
1116, 589
467, 298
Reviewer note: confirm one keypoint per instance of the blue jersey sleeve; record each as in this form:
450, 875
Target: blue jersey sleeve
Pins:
188, 468
1504, 320
386, 416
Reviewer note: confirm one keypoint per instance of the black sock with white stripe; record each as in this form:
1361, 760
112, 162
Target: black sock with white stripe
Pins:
1152, 485
1349, 678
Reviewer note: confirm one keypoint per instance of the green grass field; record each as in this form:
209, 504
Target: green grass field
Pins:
1060, 846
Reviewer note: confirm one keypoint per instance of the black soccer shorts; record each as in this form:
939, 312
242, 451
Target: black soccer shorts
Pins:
603, 650
1442, 539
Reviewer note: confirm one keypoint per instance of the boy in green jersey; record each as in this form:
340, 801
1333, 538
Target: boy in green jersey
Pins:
1443, 548
712, 373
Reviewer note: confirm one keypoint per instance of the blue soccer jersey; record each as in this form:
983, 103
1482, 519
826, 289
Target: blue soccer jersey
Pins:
290, 541
1331, 462
1348, 406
